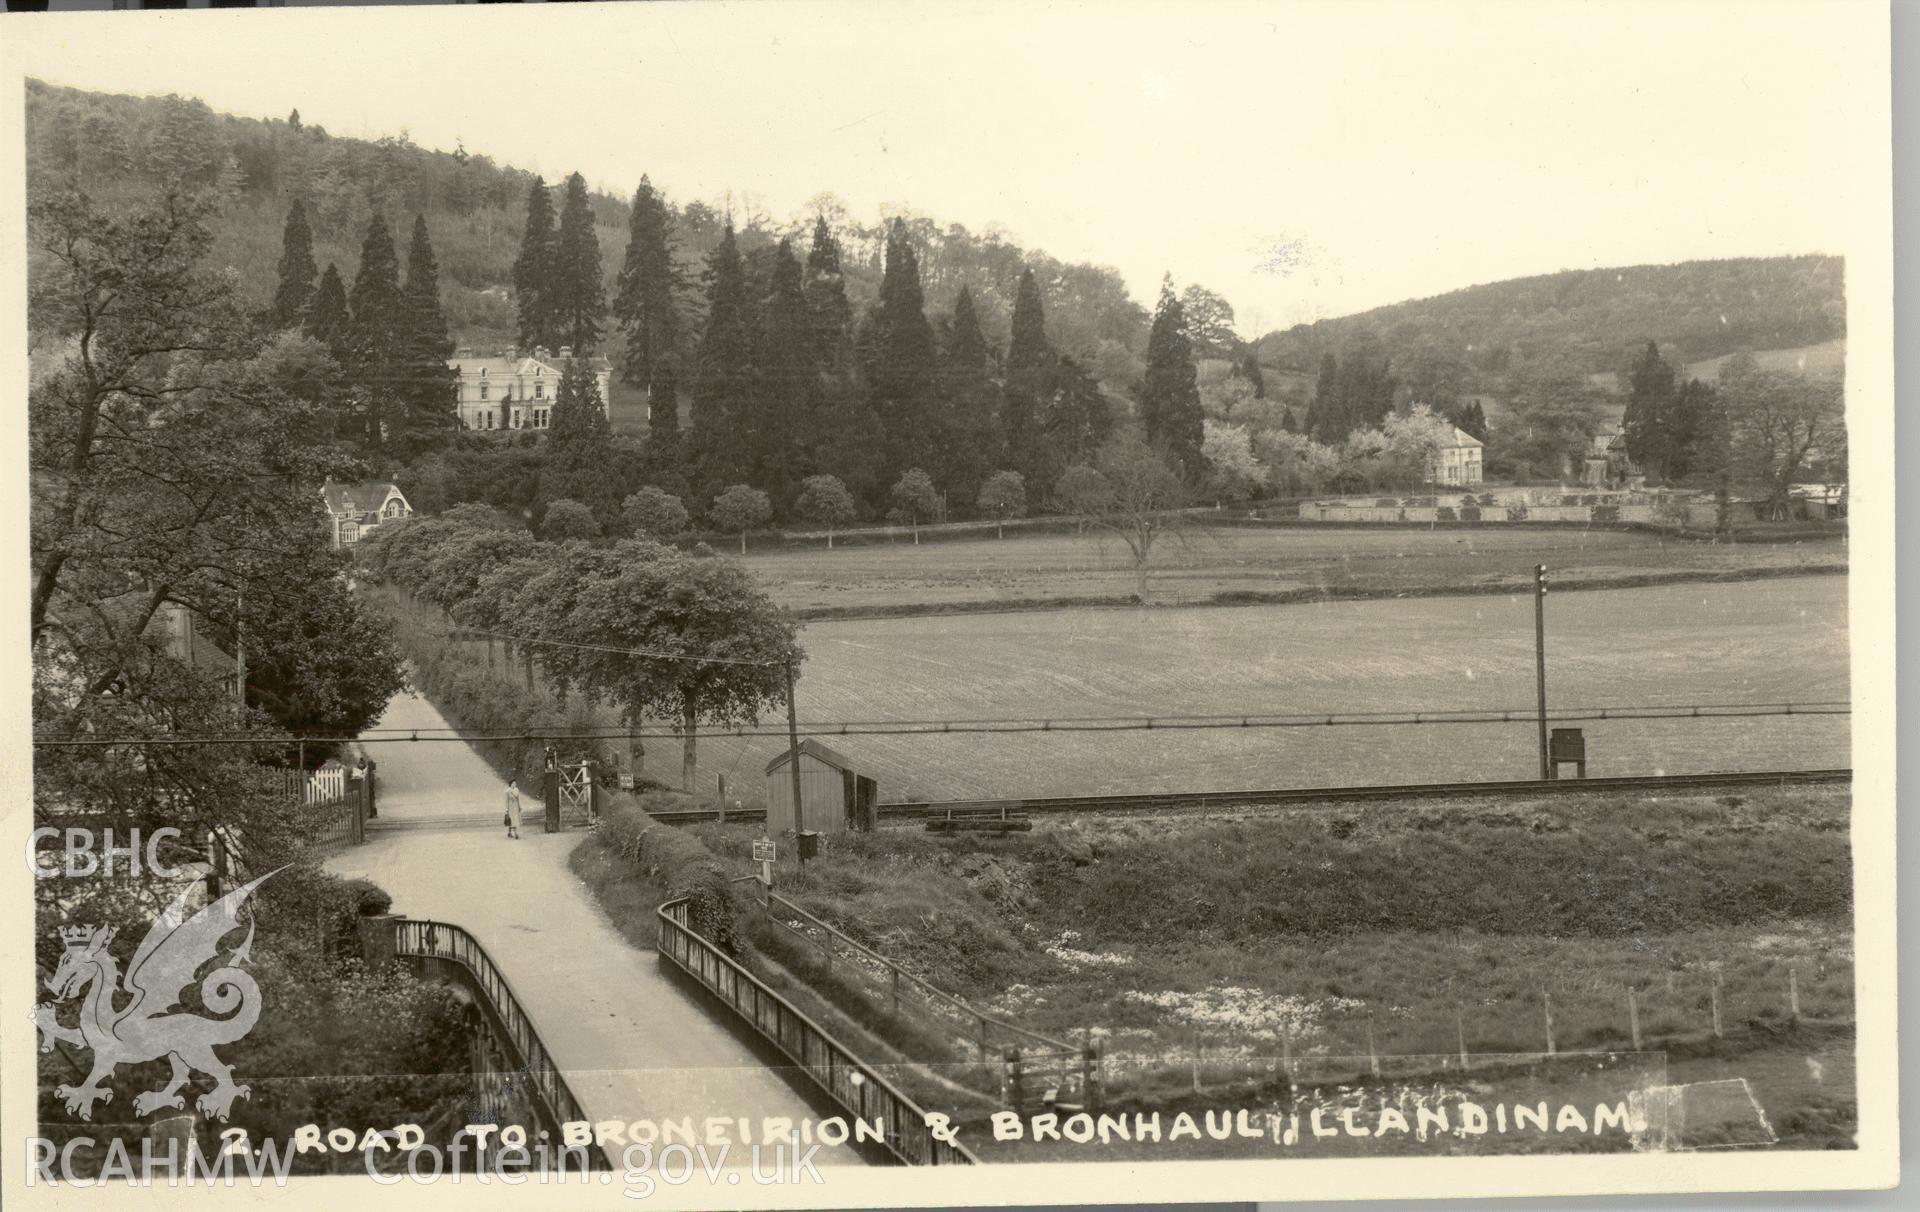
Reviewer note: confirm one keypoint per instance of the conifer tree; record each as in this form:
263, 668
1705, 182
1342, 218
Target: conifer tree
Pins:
533, 268
723, 388
327, 318
826, 288
1170, 395
663, 456
844, 444
643, 305
785, 399
1029, 371
429, 410
297, 270
579, 440
969, 424
1326, 420
578, 301
1078, 420
898, 357
1649, 421
375, 343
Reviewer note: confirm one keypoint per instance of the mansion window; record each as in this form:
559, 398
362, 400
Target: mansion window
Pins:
349, 532
483, 389
539, 418
539, 391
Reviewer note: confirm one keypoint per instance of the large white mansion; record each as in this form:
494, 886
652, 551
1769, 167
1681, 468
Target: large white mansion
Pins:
515, 390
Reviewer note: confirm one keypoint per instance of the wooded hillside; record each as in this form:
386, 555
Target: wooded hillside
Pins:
476, 210
1597, 318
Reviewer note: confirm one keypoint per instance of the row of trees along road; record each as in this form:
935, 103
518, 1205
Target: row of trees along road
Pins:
174, 446
656, 632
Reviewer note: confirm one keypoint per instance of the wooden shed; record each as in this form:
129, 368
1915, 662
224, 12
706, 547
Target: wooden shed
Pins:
835, 797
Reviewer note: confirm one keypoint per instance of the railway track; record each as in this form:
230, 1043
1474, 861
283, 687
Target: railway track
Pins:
1163, 801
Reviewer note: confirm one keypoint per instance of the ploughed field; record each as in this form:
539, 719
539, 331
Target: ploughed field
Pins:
954, 573
1772, 641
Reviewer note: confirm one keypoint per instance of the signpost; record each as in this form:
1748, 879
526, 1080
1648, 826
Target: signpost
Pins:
763, 855
1540, 662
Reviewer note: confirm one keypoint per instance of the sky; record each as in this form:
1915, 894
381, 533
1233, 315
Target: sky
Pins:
1305, 161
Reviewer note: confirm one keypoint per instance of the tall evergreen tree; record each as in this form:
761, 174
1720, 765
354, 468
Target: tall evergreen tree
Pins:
579, 463
723, 388
578, 302
643, 305
1029, 374
533, 269
663, 459
297, 270
375, 338
1078, 420
327, 318
844, 445
784, 415
429, 410
898, 356
1653, 440
1170, 396
968, 405
826, 288
1326, 419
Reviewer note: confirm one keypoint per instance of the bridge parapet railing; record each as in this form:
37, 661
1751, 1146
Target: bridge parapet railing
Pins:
848, 1081
423, 938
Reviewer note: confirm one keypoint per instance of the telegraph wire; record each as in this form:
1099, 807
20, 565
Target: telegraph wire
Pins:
1011, 726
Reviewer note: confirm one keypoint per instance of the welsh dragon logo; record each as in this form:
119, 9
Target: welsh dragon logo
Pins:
163, 965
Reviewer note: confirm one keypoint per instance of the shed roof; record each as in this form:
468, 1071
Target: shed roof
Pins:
838, 761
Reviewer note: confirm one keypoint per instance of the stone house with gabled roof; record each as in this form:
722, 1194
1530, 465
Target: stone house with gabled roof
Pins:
353, 510
515, 389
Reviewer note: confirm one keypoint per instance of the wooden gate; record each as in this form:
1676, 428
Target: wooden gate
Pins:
576, 793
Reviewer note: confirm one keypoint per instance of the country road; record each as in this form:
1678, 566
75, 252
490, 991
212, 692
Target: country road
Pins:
634, 1045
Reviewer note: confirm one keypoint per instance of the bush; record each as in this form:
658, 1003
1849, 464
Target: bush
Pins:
1606, 513
676, 864
1446, 513
1470, 513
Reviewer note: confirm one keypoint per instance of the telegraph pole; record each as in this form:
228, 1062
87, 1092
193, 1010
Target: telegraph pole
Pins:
793, 764
1540, 660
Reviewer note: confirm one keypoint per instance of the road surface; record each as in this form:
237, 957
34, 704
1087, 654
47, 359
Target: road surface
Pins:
633, 1044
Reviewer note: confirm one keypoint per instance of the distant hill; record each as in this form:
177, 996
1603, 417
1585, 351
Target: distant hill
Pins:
476, 209
1698, 311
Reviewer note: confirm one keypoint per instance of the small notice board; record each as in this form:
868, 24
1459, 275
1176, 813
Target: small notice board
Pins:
763, 850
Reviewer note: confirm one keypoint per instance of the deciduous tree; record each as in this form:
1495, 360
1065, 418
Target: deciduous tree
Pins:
1003, 496
826, 501
653, 513
740, 508
914, 498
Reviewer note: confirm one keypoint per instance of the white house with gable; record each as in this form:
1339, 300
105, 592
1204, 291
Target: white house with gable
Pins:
1458, 461
515, 390
354, 510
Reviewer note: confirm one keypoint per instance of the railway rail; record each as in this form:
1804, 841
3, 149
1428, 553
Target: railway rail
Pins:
1162, 801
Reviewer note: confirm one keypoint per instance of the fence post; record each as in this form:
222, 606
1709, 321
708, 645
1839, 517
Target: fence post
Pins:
1633, 1017
1460, 1033
1016, 1095
982, 1020
1373, 1052
1714, 994
1286, 1047
1546, 1002
1793, 994
893, 980
1193, 1055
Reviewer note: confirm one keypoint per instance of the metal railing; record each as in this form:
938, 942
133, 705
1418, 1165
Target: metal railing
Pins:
898, 978
849, 1082
421, 938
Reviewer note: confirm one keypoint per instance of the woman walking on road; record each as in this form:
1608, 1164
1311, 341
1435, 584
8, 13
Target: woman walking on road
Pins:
513, 810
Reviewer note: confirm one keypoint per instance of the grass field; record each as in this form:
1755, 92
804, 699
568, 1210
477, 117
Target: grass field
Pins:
1206, 952
1766, 641
1032, 568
